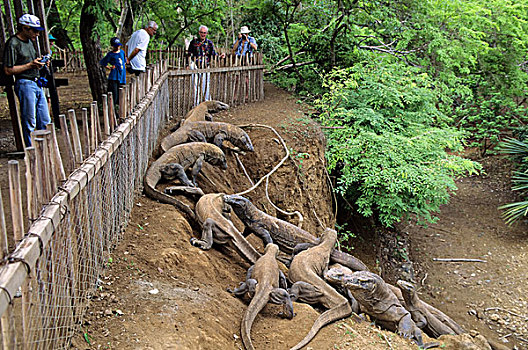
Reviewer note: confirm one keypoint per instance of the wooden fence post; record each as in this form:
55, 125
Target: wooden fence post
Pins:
8, 319
86, 132
77, 148
106, 118
111, 112
55, 154
17, 217
32, 182
70, 158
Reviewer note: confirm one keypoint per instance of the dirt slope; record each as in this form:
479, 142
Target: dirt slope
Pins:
159, 292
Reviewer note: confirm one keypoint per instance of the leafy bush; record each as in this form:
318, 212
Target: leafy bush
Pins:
387, 141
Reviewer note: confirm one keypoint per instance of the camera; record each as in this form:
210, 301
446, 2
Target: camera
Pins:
45, 58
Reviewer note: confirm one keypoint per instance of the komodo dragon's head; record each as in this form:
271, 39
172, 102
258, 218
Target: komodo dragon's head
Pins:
407, 286
239, 204
216, 106
216, 159
361, 281
243, 142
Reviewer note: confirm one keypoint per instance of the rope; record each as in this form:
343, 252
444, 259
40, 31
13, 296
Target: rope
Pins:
8, 294
266, 177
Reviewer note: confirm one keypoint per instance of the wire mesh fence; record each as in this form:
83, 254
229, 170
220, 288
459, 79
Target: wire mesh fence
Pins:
67, 247
46, 282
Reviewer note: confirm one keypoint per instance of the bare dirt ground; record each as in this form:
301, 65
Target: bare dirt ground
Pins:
159, 292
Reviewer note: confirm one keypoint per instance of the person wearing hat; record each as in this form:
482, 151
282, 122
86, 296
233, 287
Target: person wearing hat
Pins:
116, 59
21, 61
245, 44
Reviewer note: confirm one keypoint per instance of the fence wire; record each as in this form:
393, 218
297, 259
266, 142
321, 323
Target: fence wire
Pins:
54, 298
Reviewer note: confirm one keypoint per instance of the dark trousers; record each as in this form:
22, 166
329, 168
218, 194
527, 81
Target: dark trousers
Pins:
113, 87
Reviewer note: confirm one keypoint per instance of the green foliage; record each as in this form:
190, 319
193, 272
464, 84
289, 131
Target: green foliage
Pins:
392, 156
345, 237
518, 149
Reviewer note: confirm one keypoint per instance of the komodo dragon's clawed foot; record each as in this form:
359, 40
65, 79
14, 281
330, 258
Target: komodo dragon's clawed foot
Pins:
305, 292
204, 245
280, 296
249, 286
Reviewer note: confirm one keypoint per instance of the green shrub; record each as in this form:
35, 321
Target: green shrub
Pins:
387, 142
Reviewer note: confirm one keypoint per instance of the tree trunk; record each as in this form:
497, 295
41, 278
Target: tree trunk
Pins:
92, 50
54, 21
128, 25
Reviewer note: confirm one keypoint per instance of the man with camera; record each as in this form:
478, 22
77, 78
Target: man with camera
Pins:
20, 61
245, 44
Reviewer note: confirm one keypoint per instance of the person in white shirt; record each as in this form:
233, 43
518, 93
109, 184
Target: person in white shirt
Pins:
136, 48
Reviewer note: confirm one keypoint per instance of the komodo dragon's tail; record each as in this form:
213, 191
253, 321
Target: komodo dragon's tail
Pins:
329, 316
257, 303
347, 260
162, 197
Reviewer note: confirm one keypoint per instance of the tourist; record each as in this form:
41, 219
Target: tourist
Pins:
21, 61
200, 51
117, 76
136, 48
245, 44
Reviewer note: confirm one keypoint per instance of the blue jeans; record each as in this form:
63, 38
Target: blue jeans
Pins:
34, 112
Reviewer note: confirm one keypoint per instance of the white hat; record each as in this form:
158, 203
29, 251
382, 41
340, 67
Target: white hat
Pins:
244, 30
31, 21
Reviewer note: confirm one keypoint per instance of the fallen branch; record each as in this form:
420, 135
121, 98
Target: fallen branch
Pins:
459, 260
423, 279
244, 169
504, 310
276, 166
298, 213
266, 177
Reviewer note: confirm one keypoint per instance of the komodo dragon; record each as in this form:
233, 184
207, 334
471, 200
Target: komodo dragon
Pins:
213, 215
180, 158
213, 132
201, 112
287, 236
376, 299
270, 285
421, 315
307, 268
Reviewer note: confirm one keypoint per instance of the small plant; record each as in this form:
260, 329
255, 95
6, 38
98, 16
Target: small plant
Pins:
344, 237
87, 338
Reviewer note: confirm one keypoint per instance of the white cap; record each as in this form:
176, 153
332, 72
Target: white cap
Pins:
31, 21
244, 30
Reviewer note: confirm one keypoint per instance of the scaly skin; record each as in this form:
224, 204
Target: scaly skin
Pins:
200, 112
307, 268
212, 216
287, 236
186, 155
270, 286
376, 298
420, 313
213, 132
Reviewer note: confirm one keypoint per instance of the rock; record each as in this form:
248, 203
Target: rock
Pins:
494, 317
464, 342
